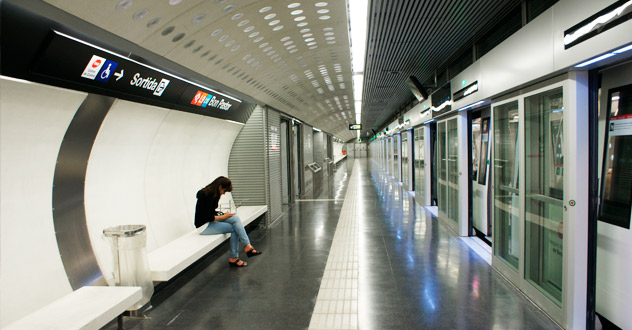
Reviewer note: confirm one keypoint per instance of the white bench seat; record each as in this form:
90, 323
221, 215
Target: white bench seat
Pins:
172, 258
89, 307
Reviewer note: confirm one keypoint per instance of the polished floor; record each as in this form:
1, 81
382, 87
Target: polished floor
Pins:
357, 254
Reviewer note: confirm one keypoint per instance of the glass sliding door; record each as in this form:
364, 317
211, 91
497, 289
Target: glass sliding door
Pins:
453, 170
544, 192
396, 164
506, 205
420, 169
448, 169
405, 173
442, 161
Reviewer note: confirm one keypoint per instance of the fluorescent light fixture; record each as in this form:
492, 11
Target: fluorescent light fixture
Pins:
316, 129
623, 50
428, 121
471, 90
358, 10
558, 110
594, 60
471, 105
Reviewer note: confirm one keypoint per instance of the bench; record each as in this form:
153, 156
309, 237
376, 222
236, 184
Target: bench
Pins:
89, 307
172, 258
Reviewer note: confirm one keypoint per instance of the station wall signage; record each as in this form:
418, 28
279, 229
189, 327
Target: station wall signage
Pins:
355, 127
74, 60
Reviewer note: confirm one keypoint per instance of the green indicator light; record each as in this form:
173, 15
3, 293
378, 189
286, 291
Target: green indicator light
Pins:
463, 82
425, 106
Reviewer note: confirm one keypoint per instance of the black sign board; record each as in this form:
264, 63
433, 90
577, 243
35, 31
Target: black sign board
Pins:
73, 60
355, 127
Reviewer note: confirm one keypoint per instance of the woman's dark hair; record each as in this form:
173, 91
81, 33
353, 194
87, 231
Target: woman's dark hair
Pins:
213, 188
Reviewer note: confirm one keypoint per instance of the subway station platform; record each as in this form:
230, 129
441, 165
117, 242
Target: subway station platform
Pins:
359, 254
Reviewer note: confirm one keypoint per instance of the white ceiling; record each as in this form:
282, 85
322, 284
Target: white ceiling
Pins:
293, 56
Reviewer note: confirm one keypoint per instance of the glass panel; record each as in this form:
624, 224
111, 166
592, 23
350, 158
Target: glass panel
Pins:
482, 164
544, 175
476, 147
420, 178
453, 171
405, 159
506, 192
441, 167
396, 166
617, 188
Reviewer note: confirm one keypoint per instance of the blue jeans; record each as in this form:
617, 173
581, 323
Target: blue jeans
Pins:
233, 226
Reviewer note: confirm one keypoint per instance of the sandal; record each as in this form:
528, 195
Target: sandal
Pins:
237, 264
253, 252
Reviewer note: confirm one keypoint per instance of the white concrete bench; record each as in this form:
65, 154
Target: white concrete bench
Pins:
172, 258
90, 307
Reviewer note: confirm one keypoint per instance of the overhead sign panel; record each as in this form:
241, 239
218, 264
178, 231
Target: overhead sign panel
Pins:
74, 60
355, 127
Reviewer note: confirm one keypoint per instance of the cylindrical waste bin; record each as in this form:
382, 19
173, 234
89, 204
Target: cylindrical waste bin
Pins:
131, 267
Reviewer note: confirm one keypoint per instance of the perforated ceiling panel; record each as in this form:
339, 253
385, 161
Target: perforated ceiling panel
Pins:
293, 56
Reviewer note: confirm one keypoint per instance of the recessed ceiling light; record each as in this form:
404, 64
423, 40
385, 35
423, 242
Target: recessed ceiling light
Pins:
313, 47
300, 18
270, 16
198, 18
321, 4
291, 47
140, 14
329, 34
322, 11
242, 23
309, 39
265, 9
288, 43
220, 1
274, 56
311, 43
124, 4
307, 35
285, 39
234, 48
324, 17
263, 45
223, 38
254, 34
271, 53
229, 8
293, 5
205, 53
328, 29
330, 38
267, 49
275, 22
296, 12
178, 37
153, 22
277, 28
189, 44
331, 42
247, 56
174, 2
168, 30
251, 60
197, 49
248, 29
237, 16
258, 39
230, 43
301, 24
216, 32
305, 30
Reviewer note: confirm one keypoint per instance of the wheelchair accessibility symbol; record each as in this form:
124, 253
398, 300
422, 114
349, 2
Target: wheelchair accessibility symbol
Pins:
106, 71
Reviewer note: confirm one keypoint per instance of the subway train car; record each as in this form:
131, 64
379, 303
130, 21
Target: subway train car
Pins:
502, 127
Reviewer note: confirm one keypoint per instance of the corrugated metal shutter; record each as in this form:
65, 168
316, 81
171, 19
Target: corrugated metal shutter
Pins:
274, 164
246, 165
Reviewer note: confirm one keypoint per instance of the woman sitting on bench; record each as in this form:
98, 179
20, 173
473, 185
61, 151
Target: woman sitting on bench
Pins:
222, 223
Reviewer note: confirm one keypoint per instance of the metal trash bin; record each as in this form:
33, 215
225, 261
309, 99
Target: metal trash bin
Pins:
131, 267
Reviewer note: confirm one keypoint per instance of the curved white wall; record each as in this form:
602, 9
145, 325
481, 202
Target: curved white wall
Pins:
146, 166
33, 121
337, 151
